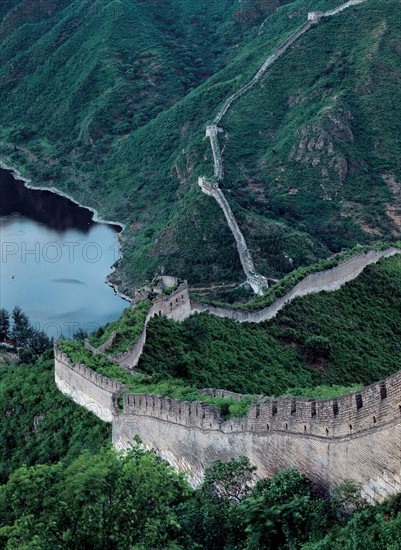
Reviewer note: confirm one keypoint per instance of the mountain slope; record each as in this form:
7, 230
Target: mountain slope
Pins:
110, 104
350, 336
323, 152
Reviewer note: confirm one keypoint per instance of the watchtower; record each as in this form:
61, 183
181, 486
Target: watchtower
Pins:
315, 15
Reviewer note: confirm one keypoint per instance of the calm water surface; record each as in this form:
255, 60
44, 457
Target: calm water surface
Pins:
54, 260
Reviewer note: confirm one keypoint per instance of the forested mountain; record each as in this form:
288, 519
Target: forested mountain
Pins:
108, 101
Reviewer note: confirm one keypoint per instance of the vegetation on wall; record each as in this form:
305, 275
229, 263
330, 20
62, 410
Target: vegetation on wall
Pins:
347, 337
155, 384
128, 328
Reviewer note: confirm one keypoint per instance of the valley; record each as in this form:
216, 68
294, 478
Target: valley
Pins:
240, 388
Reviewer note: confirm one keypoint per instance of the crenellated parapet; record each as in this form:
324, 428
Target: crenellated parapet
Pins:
346, 416
175, 305
354, 436
86, 387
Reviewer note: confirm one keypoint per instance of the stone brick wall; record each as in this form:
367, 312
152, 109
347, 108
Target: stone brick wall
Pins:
356, 436
176, 306
328, 280
84, 386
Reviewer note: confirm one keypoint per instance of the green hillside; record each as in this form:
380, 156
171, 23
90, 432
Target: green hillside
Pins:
109, 103
347, 337
38, 424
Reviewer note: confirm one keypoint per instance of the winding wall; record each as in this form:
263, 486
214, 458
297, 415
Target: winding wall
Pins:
328, 280
356, 436
257, 282
84, 386
175, 306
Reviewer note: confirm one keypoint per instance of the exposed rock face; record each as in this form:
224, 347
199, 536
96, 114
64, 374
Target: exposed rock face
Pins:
323, 145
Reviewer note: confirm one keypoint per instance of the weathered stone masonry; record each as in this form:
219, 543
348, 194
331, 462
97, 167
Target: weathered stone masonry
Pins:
355, 436
87, 388
175, 306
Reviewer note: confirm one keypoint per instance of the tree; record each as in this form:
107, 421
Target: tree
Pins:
319, 346
283, 512
230, 480
97, 501
4, 324
39, 341
80, 334
22, 329
212, 517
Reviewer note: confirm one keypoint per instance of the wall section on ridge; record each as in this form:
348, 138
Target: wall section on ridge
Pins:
84, 386
356, 436
328, 280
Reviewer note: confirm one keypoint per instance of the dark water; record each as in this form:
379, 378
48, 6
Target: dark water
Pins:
54, 260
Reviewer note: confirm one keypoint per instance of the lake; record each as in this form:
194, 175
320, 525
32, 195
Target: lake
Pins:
54, 260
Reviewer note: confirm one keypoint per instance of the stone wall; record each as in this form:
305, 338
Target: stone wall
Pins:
343, 7
328, 280
175, 306
355, 436
257, 282
84, 386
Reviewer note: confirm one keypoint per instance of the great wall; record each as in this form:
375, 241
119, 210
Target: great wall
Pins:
356, 436
210, 187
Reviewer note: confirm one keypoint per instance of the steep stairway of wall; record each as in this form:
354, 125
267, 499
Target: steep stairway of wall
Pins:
257, 282
343, 7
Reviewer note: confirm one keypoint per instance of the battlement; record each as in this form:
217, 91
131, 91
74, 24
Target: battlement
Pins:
213, 130
327, 280
374, 406
99, 380
173, 306
354, 436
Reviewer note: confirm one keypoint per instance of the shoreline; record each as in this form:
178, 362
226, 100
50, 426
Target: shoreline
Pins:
28, 184
95, 217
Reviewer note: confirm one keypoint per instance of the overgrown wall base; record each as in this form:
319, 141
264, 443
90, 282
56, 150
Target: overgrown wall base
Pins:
373, 459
